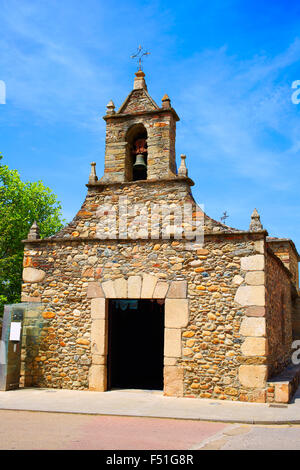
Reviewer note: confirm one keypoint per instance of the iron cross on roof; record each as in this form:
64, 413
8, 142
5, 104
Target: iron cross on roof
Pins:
224, 217
138, 55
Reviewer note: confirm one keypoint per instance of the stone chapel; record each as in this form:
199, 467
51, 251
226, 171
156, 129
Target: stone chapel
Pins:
122, 309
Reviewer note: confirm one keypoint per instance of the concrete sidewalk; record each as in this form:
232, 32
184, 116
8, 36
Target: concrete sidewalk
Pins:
148, 404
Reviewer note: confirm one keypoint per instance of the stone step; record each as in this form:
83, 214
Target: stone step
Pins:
284, 385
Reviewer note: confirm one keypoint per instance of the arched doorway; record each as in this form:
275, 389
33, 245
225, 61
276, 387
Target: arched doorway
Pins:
136, 153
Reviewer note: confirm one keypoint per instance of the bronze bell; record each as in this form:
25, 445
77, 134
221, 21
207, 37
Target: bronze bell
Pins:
140, 162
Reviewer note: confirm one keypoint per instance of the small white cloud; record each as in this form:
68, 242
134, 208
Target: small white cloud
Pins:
240, 113
2, 92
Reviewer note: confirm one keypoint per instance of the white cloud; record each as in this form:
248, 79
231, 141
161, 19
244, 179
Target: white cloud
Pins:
46, 74
239, 112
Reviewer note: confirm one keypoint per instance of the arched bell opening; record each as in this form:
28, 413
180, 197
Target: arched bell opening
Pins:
137, 153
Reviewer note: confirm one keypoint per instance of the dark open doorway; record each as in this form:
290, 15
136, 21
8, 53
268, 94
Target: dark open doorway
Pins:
135, 344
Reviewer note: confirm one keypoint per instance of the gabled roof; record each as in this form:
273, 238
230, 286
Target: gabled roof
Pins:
138, 100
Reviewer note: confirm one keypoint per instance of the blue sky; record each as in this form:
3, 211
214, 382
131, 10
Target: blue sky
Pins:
228, 67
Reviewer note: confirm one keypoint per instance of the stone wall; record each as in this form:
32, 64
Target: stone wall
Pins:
296, 317
124, 203
63, 357
278, 314
285, 250
210, 345
213, 342
104, 201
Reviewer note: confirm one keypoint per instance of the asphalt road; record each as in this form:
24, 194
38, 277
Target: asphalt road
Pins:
25, 430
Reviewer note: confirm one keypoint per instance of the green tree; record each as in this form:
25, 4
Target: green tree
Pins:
21, 203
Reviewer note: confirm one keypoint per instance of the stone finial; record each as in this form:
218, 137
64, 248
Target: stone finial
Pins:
34, 232
93, 177
182, 170
166, 102
139, 81
255, 225
110, 107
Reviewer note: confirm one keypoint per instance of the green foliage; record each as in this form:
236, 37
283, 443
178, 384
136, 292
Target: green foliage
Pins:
20, 205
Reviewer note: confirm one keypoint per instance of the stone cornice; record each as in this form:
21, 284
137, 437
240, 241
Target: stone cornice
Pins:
142, 113
177, 179
286, 241
237, 234
227, 235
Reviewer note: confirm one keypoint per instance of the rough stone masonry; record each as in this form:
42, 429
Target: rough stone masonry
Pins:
230, 302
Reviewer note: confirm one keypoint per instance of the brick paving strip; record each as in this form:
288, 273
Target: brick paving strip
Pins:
23, 430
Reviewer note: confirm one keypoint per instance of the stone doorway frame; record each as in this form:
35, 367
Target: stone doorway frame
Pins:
144, 286
135, 339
